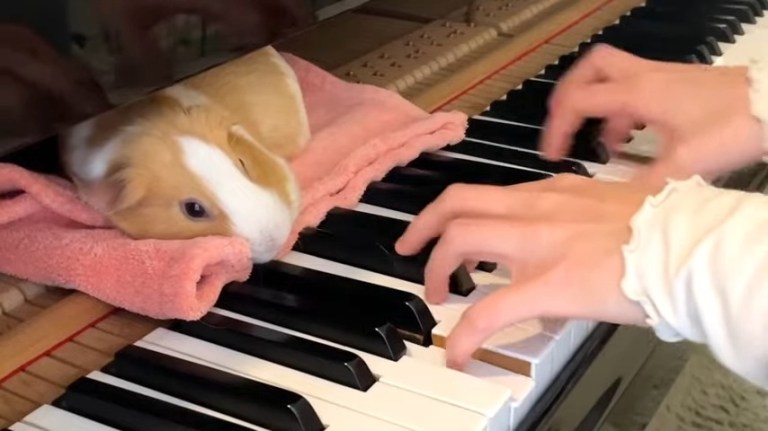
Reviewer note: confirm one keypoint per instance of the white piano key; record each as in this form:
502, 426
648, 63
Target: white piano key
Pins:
160, 396
21, 426
336, 418
381, 401
447, 152
440, 383
614, 170
517, 341
520, 386
52, 418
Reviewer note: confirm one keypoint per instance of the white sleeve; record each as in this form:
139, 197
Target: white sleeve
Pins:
697, 262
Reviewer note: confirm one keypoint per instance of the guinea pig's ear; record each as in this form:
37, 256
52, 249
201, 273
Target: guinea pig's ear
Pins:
119, 190
237, 135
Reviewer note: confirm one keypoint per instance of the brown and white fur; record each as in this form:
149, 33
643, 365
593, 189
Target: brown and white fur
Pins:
207, 156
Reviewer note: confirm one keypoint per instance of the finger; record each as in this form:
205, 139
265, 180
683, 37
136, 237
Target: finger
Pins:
502, 308
602, 64
459, 200
495, 240
617, 131
604, 100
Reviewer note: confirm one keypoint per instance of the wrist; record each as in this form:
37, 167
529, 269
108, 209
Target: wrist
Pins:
757, 78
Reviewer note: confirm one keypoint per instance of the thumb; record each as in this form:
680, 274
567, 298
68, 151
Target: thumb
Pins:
496, 311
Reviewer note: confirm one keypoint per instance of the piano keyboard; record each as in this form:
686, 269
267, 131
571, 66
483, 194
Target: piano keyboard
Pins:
336, 335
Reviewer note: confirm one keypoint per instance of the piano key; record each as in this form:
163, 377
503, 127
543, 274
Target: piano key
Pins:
639, 38
656, 31
370, 333
407, 312
742, 13
399, 197
375, 256
130, 411
50, 418
467, 171
586, 144
381, 401
617, 169
521, 348
440, 383
514, 157
336, 365
251, 401
719, 30
20, 426
335, 417
351, 223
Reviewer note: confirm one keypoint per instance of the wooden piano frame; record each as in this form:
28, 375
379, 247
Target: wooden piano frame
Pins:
50, 336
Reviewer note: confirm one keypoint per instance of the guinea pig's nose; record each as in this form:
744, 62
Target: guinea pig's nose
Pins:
267, 249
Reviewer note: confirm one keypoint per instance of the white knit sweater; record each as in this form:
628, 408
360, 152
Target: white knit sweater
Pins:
698, 260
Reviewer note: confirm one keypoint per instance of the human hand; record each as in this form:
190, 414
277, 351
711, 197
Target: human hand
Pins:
700, 113
561, 239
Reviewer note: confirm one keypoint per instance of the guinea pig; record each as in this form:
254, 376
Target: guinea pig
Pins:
206, 156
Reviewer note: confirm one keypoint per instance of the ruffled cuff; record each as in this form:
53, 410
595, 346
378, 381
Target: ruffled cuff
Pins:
646, 255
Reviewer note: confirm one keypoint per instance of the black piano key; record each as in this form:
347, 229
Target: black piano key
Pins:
473, 172
245, 399
753, 5
322, 293
585, 146
399, 197
388, 230
415, 177
643, 45
368, 332
378, 257
524, 105
513, 156
742, 13
326, 291
555, 71
655, 31
310, 357
131, 411
720, 31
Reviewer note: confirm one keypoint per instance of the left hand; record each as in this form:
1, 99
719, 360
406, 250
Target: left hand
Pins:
561, 238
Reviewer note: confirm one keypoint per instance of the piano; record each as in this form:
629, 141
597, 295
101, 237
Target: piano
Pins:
365, 354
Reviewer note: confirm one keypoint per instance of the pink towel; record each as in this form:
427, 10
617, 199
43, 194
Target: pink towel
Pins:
359, 133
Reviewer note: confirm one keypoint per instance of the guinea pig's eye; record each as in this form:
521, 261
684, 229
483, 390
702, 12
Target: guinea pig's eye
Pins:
194, 209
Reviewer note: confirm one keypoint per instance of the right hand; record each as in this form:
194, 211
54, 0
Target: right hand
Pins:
702, 114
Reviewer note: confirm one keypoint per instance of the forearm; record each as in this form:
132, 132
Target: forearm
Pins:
698, 264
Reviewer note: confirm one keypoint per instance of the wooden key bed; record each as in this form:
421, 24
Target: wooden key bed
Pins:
50, 336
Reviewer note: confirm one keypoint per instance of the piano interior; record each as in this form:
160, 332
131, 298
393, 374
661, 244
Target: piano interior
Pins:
471, 56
